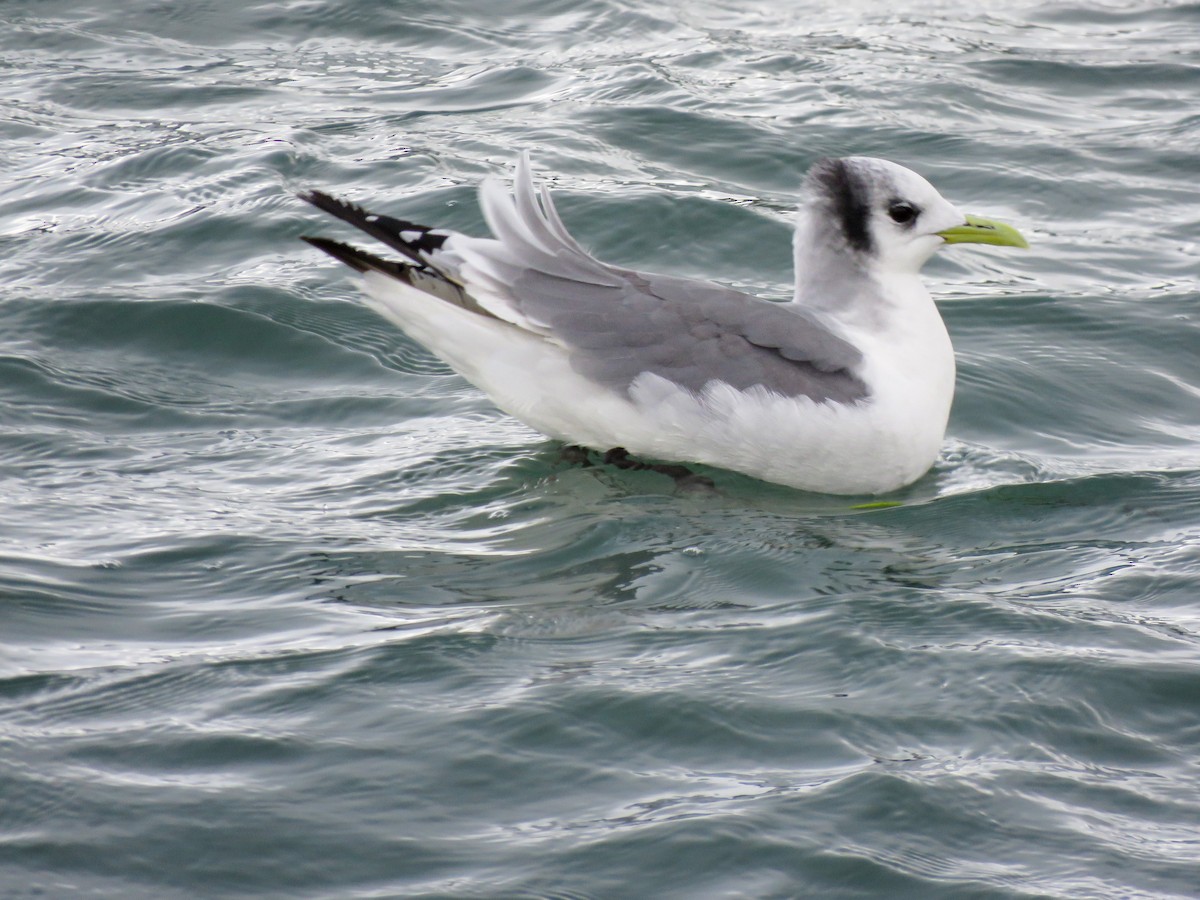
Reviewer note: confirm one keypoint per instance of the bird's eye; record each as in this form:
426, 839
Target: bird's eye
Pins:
902, 212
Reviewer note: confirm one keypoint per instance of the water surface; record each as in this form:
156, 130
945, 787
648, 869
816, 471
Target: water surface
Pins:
288, 609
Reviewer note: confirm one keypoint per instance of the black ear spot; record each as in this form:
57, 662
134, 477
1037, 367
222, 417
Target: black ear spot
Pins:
902, 212
847, 194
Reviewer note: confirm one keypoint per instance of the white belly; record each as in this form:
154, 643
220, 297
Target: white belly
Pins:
878, 445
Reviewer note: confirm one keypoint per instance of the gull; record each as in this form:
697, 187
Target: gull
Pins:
844, 389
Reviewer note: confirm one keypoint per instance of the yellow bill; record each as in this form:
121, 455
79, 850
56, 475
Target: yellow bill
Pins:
979, 230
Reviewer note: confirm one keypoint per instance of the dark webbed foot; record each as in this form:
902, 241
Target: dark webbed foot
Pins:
683, 476
576, 456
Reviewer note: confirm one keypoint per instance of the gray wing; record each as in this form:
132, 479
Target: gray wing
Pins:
692, 332
619, 323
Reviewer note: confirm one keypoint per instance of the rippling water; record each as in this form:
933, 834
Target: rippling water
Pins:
288, 609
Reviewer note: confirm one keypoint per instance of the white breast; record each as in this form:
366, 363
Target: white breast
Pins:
873, 446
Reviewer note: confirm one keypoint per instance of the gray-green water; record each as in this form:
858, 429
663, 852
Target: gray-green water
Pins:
287, 609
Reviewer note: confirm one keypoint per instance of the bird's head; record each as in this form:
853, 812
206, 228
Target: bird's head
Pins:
888, 217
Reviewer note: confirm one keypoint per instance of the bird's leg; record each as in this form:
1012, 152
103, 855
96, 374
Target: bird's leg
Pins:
683, 476
576, 456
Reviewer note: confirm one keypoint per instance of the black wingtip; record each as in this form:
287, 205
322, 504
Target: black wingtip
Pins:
342, 209
385, 229
358, 260
429, 280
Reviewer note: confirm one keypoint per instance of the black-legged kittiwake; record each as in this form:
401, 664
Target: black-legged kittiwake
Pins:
845, 389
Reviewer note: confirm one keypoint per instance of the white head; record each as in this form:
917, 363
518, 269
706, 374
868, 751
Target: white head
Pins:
885, 217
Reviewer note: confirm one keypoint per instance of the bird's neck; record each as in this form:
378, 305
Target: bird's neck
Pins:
840, 283
829, 277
